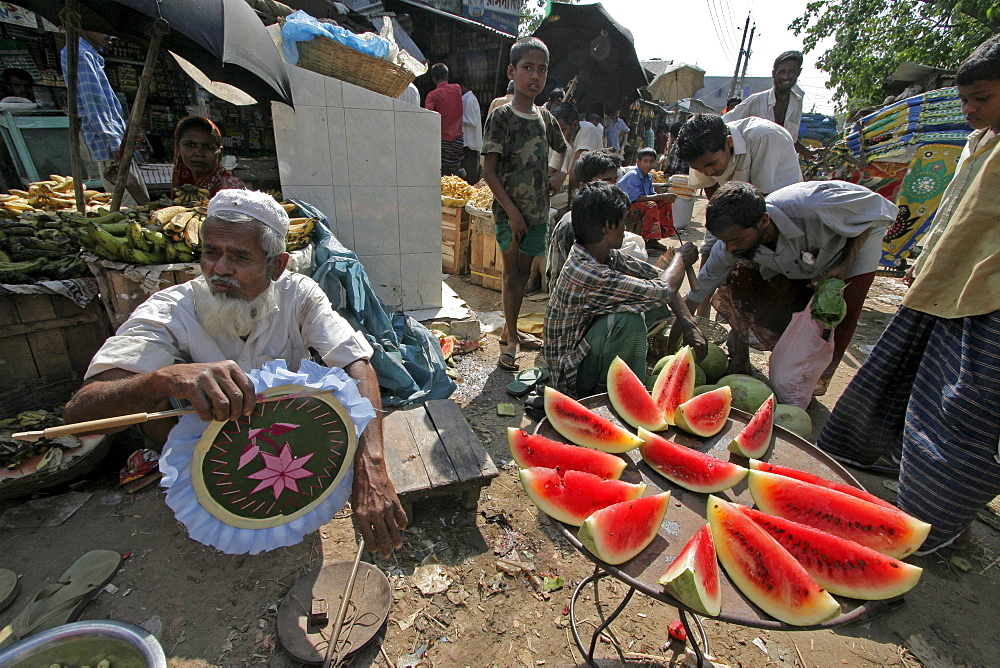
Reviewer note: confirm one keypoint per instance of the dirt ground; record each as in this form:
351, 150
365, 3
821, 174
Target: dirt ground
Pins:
207, 608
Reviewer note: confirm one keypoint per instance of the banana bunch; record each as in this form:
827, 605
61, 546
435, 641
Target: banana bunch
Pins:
275, 193
299, 233
455, 187
191, 195
54, 194
130, 237
35, 247
483, 197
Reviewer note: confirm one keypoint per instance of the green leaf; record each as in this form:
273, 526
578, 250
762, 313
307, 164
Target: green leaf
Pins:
552, 584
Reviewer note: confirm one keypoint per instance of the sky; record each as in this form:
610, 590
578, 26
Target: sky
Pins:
707, 33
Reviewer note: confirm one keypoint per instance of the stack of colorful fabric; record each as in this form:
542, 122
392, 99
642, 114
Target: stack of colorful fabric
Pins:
818, 127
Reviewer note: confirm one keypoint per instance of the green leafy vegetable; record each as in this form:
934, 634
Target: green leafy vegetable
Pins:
828, 305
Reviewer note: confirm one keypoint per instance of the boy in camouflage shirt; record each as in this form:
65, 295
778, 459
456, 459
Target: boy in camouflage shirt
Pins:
516, 145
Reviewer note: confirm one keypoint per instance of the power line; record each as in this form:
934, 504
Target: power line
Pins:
720, 5
722, 44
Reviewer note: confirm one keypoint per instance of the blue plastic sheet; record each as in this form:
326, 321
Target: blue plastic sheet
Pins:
300, 27
408, 360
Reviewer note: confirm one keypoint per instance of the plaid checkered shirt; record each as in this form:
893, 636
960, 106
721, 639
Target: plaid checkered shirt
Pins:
586, 290
101, 117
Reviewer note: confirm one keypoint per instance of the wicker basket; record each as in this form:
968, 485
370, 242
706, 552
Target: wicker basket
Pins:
333, 59
714, 332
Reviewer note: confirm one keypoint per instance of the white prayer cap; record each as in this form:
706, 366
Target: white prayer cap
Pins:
259, 206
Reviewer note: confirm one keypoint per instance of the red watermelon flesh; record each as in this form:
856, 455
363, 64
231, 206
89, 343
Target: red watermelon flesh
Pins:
693, 576
754, 439
573, 496
886, 530
620, 532
533, 450
756, 465
706, 414
675, 384
687, 467
841, 566
631, 399
764, 571
585, 427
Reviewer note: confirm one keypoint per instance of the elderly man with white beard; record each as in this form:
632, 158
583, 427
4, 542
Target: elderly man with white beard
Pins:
196, 342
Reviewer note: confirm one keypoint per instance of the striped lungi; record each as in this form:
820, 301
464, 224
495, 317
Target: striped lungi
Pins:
930, 394
452, 153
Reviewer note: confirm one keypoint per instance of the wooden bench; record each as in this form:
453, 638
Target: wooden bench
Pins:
432, 451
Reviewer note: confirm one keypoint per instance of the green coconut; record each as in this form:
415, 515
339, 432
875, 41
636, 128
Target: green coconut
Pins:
702, 389
794, 419
715, 363
749, 394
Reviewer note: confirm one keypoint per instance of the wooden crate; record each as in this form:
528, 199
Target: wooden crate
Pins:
455, 240
122, 294
487, 261
46, 344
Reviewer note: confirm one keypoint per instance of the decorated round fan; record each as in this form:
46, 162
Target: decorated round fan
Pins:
267, 479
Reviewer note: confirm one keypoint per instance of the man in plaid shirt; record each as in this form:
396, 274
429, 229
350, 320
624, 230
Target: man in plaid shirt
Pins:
102, 120
597, 308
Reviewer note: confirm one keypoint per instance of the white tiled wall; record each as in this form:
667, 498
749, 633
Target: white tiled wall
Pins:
372, 165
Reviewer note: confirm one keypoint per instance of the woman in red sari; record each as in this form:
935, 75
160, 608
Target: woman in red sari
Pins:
198, 157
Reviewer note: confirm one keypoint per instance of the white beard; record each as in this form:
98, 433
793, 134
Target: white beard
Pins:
227, 316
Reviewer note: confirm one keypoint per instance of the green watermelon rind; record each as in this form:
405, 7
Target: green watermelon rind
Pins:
598, 532
578, 486
582, 426
767, 557
684, 418
630, 399
727, 474
566, 456
897, 535
684, 581
750, 442
837, 564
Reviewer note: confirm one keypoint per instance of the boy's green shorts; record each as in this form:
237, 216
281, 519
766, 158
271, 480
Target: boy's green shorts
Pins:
532, 244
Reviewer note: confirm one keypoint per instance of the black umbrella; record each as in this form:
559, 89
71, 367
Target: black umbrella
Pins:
207, 34
586, 43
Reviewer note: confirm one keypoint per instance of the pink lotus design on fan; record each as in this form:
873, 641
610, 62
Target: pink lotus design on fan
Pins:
252, 449
281, 472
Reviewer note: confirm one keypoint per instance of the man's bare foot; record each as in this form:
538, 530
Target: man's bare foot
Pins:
508, 358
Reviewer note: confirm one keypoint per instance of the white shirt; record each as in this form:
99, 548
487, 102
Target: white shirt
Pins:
614, 133
762, 105
763, 154
814, 221
411, 95
472, 122
164, 330
588, 138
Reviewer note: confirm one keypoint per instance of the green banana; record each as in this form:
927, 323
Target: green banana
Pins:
173, 255
14, 268
41, 244
40, 253
20, 231
141, 257
185, 257
115, 228
155, 238
133, 232
4, 258
108, 243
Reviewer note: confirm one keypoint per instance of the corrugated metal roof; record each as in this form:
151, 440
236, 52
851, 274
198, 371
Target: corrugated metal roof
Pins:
460, 19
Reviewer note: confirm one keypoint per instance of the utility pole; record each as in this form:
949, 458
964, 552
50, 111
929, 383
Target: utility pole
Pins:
739, 57
746, 58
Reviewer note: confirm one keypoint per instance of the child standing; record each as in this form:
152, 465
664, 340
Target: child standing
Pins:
928, 396
516, 145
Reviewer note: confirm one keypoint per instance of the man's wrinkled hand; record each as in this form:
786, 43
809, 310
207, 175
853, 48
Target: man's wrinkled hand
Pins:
216, 390
378, 514
694, 337
688, 253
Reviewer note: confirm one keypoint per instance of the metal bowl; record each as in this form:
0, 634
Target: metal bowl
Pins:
85, 643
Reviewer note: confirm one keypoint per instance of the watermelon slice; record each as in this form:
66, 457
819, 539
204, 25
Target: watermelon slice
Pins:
585, 427
886, 530
841, 566
706, 414
631, 399
754, 439
573, 496
764, 571
533, 450
620, 532
675, 384
689, 468
756, 465
693, 576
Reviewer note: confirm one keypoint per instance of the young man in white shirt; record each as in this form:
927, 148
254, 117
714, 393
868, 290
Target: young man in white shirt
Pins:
472, 134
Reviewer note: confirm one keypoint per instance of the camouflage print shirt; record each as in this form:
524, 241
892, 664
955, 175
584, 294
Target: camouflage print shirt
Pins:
523, 142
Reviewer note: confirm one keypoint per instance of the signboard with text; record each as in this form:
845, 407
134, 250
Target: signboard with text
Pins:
503, 15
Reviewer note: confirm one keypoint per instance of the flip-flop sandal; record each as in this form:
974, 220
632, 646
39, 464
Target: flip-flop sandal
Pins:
9, 586
526, 380
527, 342
64, 600
306, 636
508, 362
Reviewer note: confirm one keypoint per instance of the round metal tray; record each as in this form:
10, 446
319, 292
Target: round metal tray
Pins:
686, 514
73, 643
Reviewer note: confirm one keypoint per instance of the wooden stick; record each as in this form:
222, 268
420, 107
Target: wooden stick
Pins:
342, 613
691, 275
134, 418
